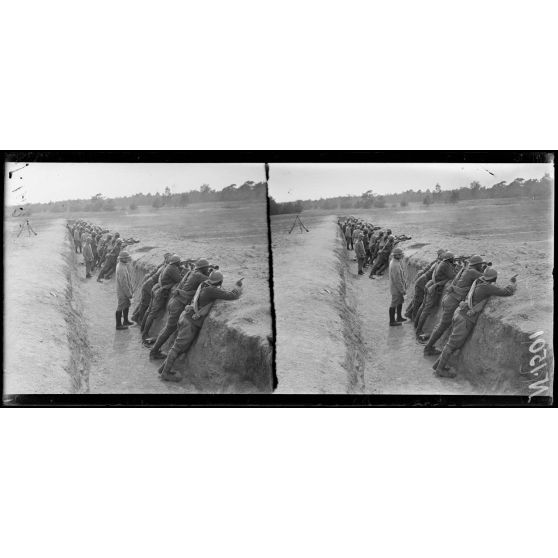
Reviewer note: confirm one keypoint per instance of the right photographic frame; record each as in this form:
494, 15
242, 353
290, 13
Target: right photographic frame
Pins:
409, 277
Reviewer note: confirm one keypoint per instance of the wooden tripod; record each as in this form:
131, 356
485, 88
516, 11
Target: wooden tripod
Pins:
300, 224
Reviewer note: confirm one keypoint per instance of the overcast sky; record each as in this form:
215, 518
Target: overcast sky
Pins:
294, 181
43, 182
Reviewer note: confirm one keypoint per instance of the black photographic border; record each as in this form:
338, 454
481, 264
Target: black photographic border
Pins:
274, 400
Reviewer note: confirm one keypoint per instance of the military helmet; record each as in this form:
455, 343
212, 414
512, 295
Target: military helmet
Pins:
389, 231
116, 235
490, 274
441, 252
175, 258
475, 260
448, 256
124, 256
200, 264
215, 277
397, 251
119, 241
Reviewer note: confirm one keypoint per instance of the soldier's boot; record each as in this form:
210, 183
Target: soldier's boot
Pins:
127, 322
166, 371
420, 323
400, 318
119, 320
146, 328
144, 320
440, 366
430, 349
155, 352
392, 320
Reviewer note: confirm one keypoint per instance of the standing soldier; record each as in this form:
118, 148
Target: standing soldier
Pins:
180, 299
467, 314
88, 256
124, 290
148, 284
456, 293
192, 318
77, 239
397, 287
360, 253
349, 237
443, 273
160, 293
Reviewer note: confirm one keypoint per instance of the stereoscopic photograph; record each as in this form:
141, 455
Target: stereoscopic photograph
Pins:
348, 279
133, 278
413, 278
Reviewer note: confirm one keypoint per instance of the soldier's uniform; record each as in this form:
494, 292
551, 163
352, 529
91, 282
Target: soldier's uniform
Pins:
443, 273
190, 324
77, 239
418, 296
110, 262
146, 288
160, 295
88, 258
360, 253
349, 237
466, 316
456, 293
180, 299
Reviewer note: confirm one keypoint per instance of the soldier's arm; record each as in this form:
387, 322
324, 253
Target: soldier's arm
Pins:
508, 290
222, 294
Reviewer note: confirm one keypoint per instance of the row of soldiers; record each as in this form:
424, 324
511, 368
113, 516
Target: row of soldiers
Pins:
100, 248
372, 245
186, 288
462, 285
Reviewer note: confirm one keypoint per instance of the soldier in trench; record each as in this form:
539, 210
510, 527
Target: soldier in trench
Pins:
443, 273
124, 290
169, 277
360, 252
192, 318
110, 261
146, 287
183, 296
397, 287
455, 294
88, 257
420, 282
467, 314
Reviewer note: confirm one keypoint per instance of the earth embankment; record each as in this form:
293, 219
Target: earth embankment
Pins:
317, 330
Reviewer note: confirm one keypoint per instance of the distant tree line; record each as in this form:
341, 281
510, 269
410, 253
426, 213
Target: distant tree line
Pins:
249, 191
519, 188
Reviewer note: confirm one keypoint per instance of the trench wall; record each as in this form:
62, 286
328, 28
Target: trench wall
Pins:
495, 358
223, 359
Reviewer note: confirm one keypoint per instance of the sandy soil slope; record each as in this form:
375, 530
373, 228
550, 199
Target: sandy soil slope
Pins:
36, 349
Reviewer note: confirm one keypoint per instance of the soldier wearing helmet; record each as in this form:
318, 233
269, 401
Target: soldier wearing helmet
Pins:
148, 283
183, 296
192, 318
422, 277
397, 287
111, 260
360, 252
382, 260
124, 290
456, 292
169, 277
467, 314
443, 273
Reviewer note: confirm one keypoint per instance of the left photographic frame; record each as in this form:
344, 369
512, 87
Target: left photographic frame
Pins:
135, 274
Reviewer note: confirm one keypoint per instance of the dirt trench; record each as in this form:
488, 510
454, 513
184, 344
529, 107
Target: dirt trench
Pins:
494, 360
224, 359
